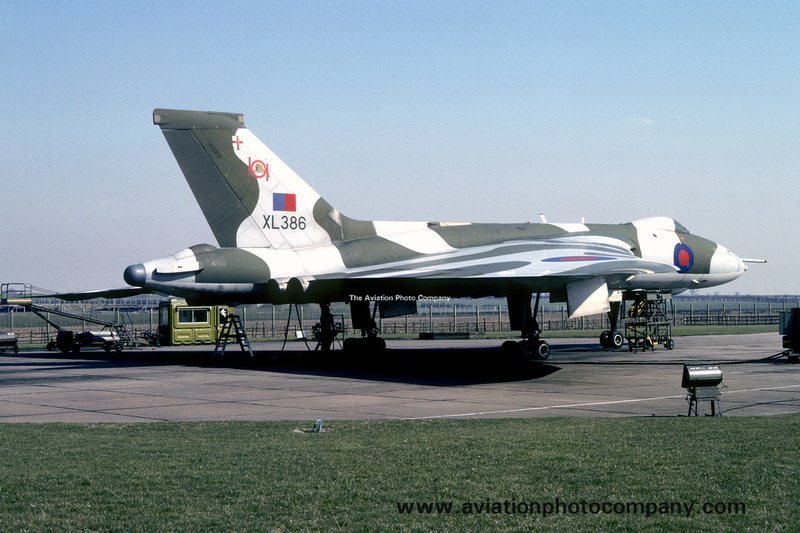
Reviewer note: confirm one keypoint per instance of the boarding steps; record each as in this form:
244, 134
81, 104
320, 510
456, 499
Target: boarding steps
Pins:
23, 295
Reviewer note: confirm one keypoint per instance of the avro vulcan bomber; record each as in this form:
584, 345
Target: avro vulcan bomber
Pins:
279, 241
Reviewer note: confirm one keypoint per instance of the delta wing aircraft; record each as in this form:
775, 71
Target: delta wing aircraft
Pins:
280, 242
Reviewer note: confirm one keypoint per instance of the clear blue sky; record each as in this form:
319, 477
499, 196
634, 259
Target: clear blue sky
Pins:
451, 111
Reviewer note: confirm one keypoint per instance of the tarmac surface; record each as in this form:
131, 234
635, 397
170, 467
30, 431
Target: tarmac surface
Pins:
414, 379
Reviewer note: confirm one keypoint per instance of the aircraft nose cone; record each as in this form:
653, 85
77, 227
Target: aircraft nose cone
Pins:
135, 275
725, 262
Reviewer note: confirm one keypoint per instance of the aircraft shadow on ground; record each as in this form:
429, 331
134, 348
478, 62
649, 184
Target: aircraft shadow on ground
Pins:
444, 367
436, 367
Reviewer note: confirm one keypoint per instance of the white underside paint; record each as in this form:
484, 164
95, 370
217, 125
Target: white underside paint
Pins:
587, 297
415, 236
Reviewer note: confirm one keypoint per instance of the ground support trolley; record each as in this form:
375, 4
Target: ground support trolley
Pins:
648, 324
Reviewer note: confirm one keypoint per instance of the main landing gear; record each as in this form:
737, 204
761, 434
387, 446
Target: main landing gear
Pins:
328, 329
365, 321
531, 347
612, 339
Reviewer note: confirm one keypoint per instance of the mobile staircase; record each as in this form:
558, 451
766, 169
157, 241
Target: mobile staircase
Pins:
113, 336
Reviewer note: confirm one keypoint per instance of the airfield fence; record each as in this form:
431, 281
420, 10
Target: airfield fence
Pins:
486, 318
457, 316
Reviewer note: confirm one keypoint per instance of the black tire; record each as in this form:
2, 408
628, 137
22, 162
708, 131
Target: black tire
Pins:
513, 352
509, 346
362, 345
543, 351
605, 341
615, 340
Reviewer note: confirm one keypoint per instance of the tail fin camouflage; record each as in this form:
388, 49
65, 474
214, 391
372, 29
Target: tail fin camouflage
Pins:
249, 197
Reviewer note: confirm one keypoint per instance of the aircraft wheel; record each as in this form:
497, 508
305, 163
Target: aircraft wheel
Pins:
543, 350
604, 339
513, 352
527, 350
615, 340
534, 350
360, 345
509, 346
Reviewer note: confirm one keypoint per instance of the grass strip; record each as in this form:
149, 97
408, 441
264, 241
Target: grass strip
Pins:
358, 475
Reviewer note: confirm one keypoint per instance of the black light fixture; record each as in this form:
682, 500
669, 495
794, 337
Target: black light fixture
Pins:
702, 380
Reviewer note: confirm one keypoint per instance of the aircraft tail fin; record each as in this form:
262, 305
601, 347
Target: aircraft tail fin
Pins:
249, 197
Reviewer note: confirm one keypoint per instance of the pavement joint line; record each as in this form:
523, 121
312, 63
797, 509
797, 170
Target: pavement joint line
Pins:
546, 407
761, 389
587, 404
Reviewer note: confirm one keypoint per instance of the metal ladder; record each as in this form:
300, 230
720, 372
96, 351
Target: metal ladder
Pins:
233, 324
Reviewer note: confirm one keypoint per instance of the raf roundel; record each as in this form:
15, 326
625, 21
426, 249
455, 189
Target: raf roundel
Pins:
683, 258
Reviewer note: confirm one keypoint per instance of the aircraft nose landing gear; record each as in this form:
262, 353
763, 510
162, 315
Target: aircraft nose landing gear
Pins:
612, 339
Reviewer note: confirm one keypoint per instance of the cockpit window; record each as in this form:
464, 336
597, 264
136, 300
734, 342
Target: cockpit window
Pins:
679, 228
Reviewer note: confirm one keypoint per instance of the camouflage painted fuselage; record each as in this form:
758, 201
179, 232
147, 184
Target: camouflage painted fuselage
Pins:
281, 242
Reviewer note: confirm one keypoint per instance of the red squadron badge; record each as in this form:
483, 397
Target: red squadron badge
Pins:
257, 169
